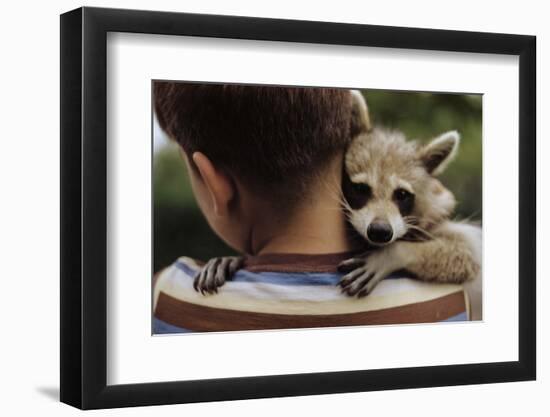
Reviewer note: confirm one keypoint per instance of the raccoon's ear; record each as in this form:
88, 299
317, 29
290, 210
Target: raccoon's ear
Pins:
437, 154
360, 120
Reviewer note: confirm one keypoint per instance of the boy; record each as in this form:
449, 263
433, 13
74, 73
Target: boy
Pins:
265, 165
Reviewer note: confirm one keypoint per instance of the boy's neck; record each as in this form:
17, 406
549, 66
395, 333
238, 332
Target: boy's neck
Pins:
313, 232
317, 226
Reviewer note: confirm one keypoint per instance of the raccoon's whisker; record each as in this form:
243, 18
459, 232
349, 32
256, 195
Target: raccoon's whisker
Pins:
345, 205
335, 194
467, 219
412, 220
348, 217
421, 230
416, 227
347, 210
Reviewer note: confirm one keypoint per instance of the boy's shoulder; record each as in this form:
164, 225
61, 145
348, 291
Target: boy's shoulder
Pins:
175, 277
275, 295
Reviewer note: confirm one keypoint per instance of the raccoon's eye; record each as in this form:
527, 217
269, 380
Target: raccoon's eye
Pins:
402, 195
361, 188
356, 194
404, 200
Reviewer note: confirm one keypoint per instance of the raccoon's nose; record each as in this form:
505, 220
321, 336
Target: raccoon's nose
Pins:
379, 232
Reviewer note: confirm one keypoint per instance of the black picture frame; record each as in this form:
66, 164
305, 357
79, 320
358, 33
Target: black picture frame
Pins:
84, 207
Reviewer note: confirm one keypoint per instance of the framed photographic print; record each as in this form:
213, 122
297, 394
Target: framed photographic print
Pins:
258, 208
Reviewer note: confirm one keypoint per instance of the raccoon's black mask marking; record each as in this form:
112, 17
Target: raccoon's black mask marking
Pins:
404, 200
356, 194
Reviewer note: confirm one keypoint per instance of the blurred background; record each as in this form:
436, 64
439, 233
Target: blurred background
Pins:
180, 229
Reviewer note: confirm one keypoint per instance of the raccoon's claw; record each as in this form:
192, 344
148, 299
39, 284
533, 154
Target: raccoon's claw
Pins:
361, 278
351, 264
369, 285
353, 282
351, 277
214, 274
360, 282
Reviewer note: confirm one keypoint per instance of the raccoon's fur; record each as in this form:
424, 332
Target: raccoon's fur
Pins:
396, 203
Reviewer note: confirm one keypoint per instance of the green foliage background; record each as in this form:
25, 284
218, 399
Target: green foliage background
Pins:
180, 229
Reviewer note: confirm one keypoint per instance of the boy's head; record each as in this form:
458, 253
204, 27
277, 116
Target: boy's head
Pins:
241, 143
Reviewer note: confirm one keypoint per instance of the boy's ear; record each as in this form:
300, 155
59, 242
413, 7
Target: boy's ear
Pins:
437, 154
360, 120
219, 184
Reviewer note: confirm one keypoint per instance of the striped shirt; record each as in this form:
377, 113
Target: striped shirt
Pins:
284, 291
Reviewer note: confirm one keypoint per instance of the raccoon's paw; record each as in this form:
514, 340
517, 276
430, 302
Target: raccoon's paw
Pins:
214, 274
364, 273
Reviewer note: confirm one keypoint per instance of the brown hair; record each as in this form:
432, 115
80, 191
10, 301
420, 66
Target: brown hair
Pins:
275, 139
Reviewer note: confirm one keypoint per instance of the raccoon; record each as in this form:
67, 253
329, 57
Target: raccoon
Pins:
395, 202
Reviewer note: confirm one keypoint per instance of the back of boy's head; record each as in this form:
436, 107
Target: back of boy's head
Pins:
276, 140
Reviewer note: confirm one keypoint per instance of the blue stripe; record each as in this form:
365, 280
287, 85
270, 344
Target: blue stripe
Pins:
185, 268
280, 278
458, 317
288, 278
161, 327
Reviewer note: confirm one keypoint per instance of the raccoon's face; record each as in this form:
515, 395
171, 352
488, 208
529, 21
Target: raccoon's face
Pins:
389, 185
